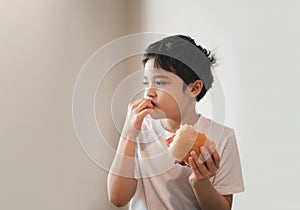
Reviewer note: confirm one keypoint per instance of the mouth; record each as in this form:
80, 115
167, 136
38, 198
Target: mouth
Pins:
153, 103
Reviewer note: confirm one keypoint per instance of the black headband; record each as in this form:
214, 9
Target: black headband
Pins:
185, 52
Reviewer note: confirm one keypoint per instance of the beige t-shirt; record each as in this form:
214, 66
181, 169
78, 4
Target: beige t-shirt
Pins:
163, 184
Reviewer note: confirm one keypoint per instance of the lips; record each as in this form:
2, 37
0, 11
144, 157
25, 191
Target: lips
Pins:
153, 103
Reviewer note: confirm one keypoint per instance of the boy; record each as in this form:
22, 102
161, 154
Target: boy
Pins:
177, 74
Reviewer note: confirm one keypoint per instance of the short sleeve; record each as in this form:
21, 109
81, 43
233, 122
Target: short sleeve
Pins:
229, 179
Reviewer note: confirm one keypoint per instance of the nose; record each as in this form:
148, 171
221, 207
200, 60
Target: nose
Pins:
150, 92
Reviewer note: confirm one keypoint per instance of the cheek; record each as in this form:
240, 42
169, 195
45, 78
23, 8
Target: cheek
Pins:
168, 100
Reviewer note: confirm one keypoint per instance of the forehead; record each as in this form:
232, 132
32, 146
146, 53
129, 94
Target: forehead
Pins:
151, 70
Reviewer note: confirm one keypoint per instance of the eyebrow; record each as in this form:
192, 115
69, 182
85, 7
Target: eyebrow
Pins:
158, 77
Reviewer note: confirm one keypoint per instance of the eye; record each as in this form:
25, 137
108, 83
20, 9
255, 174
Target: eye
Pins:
145, 83
160, 83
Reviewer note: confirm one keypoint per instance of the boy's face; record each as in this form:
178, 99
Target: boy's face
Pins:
165, 89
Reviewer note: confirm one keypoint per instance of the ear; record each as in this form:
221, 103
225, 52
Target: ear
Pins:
195, 88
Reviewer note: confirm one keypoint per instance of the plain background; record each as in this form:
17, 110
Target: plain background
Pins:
44, 44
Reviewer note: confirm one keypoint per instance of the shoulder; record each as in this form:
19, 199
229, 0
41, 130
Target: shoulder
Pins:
215, 131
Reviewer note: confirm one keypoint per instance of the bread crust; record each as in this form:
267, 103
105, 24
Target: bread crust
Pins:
186, 139
200, 141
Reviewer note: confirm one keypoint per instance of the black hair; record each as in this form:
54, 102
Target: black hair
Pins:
180, 55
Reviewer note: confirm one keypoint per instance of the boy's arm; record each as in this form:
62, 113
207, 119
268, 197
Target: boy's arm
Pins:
204, 168
121, 183
209, 199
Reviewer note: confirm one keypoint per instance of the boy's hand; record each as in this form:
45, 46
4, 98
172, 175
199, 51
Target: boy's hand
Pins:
136, 113
205, 165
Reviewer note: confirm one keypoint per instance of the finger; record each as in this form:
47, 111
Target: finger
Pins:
132, 105
210, 165
209, 161
144, 112
204, 153
144, 104
215, 155
203, 169
194, 167
199, 163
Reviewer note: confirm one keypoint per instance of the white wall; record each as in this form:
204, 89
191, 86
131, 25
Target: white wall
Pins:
44, 44
257, 43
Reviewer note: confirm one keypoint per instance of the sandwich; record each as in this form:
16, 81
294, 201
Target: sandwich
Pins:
185, 140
